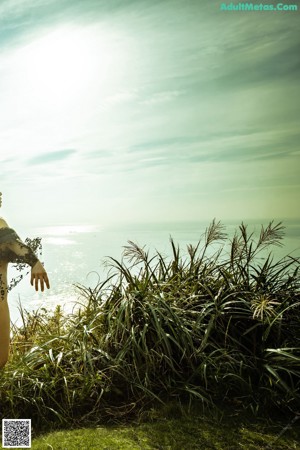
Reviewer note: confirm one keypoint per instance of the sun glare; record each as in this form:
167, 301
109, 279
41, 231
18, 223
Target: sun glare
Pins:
65, 63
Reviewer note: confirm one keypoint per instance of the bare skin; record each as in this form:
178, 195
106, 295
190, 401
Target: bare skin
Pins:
39, 279
4, 317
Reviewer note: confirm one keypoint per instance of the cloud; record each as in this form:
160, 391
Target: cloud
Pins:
217, 147
162, 97
164, 143
270, 54
121, 97
95, 154
51, 157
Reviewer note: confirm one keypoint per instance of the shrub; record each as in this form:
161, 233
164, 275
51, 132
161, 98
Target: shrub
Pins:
219, 325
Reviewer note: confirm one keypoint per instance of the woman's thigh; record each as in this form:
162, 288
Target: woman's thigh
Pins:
4, 316
4, 332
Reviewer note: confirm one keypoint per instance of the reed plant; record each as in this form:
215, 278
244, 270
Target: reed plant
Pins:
219, 324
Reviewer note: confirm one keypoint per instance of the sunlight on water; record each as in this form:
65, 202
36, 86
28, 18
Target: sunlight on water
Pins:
59, 241
63, 230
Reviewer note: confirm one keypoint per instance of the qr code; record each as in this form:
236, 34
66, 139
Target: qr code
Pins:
16, 433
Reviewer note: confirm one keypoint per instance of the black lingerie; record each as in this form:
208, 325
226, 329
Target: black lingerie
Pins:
9, 236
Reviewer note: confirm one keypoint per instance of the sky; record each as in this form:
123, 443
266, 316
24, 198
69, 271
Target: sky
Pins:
138, 111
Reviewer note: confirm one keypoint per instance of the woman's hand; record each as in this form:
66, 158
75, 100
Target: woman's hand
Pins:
39, 274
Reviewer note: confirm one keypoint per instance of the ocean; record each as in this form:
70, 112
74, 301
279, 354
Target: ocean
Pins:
76, 255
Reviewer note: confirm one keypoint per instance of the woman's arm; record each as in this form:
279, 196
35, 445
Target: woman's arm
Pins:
12, 249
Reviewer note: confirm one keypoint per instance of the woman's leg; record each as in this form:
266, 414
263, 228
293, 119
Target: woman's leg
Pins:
4, 316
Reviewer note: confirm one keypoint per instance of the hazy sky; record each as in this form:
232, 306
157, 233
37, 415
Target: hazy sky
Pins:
147, 111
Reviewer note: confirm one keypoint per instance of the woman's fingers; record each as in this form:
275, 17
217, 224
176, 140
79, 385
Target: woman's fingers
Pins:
42, 278
47, 280
39, 276
36, 282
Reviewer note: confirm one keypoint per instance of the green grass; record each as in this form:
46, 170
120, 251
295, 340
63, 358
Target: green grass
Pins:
186, 433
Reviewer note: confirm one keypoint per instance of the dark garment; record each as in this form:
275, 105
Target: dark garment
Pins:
9, 236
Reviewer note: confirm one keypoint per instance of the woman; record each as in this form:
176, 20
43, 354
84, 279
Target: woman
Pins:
12, 249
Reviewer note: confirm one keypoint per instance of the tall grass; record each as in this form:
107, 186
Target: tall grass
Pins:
218, 324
